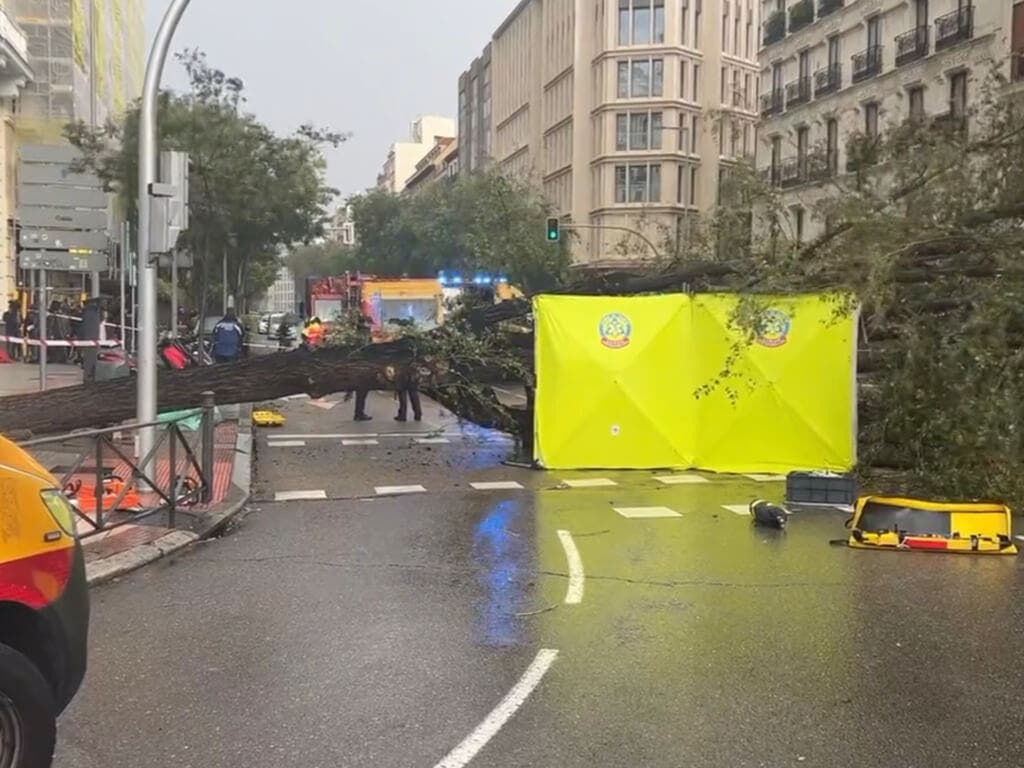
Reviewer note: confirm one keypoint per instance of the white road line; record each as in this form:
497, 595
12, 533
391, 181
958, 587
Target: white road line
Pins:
433, 440
574, 594
300, 495
395, 490
510, 485
350, 443
328, 437
682, 479
738, 509
501, 714
767, 478
639, 513
591, 482
286, 444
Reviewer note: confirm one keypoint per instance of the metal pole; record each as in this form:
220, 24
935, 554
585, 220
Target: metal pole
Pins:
42, 330
224, 293
124, 278
146, 397
209, 426
174, 294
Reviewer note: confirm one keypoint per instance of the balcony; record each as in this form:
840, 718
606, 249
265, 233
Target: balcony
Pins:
801, 15
771, 103
954, 27
739, 99
775, 28
867, 64
828, 79
953, 122
793, 172
798, 92
772, 175
828, 7
911, 46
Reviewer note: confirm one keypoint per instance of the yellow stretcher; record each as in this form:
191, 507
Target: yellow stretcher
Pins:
908, 524
267, 419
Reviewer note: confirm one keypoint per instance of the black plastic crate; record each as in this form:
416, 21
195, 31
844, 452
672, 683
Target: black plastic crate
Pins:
820, 488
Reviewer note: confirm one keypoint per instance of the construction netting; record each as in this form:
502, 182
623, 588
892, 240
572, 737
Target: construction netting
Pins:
674, 381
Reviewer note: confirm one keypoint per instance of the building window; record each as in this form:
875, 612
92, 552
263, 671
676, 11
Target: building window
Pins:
798, 222
750, 34
682, 79
832, 144
958, 95
696, 22
638, 183
638, 131
694, 132
736, 31
695, 93
684, 11
693, 186
724, 95
803, 135
871, 119
725, 26
916, 97
684, 133
776, 158
641, 22
641, 78
1017, 42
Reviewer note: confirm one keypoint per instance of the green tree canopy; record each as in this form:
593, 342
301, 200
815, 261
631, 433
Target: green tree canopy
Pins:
251, 191
478, 222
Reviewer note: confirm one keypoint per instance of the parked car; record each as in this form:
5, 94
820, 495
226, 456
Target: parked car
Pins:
273, 323
44, 609
263, 326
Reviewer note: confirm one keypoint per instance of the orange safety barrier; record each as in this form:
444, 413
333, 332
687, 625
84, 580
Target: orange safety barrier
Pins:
84, 496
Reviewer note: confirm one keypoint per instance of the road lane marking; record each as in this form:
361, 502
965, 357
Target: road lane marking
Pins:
767, 478
433, 440
287, 444
501, 714
351, 443
738, 509
510, 485
641, 513
300, 495
591, 482
574, 594
328, 436
397, 490
682, 479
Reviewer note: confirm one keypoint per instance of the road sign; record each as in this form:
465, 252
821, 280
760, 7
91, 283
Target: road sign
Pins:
62, 240
31, 195
62, 218
63, 261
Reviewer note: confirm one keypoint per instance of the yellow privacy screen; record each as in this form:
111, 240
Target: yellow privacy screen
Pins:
618, 382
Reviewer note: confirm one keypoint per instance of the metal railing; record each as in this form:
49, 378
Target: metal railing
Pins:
826, 7
774, 28
801, 15
798, 92
771, 102
911, 46
828, 79
189, 477
954, 27
867, 63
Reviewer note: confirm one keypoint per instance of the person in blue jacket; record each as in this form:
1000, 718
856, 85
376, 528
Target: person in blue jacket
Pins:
228, 338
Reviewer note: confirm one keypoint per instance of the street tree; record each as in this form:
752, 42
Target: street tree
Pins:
485, 221
252, 191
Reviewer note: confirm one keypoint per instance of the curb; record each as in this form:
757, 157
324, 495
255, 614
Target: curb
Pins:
211, 524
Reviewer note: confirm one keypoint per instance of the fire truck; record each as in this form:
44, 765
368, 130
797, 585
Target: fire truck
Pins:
387, 302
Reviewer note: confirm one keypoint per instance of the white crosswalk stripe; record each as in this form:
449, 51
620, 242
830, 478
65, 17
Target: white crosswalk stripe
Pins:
353, 443
682, 479
510, 485
641, 513
592, 482
738, 509
300, 495
398, 490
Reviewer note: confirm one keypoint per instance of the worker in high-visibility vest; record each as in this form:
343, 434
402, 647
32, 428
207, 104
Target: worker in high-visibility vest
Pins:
313, 334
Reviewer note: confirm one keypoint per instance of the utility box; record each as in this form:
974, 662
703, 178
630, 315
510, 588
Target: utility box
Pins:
823, 488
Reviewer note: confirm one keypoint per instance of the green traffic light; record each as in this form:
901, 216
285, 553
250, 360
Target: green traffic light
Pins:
554, 230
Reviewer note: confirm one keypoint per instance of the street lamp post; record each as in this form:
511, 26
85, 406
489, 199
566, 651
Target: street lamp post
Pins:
146, 346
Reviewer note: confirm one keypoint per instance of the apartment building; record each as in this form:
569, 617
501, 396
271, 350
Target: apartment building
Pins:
625, 112
440, 163
403, 156
475, 115
835, 69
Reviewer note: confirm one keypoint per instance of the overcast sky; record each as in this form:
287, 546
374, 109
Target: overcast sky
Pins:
368, 67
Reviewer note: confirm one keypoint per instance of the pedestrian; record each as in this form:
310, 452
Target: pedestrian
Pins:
364, 334
228, 338
409, 392
30, 331
12, 329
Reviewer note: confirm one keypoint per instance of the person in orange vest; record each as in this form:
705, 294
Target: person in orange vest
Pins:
313, 334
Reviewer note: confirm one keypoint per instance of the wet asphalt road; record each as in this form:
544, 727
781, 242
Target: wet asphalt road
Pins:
361, 631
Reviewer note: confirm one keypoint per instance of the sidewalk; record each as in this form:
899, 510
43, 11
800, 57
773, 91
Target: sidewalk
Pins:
23, 378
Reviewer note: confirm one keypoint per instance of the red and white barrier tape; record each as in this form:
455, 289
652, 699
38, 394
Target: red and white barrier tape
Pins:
58, 342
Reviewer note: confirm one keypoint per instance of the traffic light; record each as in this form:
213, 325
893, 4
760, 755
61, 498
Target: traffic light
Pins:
554, 230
